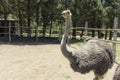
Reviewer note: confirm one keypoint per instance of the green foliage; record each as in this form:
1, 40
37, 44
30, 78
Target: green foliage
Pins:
46, 12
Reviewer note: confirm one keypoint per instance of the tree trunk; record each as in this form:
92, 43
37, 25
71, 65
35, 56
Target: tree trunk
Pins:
45, 20
99, 26
74, 21
50, 29
4, 30
111, 26
28, 18
93, 26
20, 18
44, 29
51, 23
106, 32
74, 31
37, 19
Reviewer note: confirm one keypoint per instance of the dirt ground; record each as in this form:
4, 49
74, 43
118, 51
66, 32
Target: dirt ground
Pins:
38, 62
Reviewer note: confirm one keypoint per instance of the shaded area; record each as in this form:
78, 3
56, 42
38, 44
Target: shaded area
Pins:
29, 40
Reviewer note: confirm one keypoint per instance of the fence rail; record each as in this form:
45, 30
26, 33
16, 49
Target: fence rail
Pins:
97, 29
10, 31
115, 30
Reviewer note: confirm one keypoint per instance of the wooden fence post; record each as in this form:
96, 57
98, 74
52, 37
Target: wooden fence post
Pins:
86, 26
59, 32
115, 34
36, 33
9, 32
86, 31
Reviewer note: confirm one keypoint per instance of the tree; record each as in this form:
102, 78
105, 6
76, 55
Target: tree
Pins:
34, 13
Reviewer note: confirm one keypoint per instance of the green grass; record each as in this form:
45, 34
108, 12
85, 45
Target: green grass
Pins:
118, 52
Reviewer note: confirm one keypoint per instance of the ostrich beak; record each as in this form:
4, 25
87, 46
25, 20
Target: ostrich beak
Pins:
62, 14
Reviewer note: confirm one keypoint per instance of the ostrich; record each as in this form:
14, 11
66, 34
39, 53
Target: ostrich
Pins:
94, 55
117, 73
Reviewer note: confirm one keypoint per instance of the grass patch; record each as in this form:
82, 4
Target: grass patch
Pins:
118, 52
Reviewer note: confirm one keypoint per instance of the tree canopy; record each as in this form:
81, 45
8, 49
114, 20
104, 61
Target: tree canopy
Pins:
43, 13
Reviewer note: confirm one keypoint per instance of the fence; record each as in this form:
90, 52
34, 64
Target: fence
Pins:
15, 30
115, 30
22, 31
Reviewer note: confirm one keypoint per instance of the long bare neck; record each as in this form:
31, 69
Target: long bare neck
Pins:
64, 49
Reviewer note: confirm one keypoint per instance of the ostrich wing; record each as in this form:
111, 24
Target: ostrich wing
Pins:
90, 56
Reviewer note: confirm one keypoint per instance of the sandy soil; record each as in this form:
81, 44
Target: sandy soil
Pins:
38, 62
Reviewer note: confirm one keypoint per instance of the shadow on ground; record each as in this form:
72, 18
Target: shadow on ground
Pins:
32, 40
29, 40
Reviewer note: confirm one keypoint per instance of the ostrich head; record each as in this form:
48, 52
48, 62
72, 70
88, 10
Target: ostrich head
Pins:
66, 14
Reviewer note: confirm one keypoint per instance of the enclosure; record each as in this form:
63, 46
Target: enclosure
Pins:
41, 61
31, 31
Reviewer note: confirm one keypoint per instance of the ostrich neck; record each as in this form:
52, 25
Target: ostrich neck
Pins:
64, 49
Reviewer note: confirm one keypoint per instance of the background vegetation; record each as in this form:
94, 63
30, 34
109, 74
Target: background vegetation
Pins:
45, 14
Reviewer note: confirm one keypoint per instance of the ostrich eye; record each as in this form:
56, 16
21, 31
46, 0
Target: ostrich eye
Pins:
68, 12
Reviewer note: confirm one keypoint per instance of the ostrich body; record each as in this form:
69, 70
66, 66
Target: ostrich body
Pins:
94, 55
117, 73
